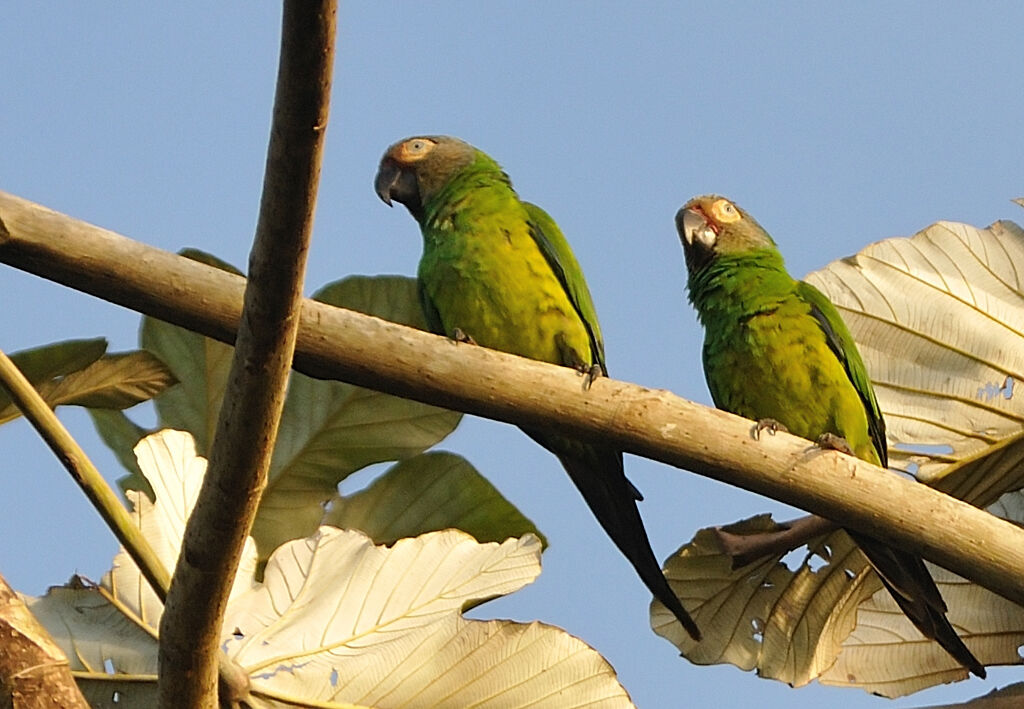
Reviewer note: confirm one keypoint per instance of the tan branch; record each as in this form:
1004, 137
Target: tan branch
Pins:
34, 672
190, 629
340, 344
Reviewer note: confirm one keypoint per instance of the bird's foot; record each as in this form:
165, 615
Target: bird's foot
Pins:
770, 425
591, 373
830, 441
459, 336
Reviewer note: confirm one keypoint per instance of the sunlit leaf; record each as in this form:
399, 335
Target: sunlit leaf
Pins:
337, 620
939, 320
430, 492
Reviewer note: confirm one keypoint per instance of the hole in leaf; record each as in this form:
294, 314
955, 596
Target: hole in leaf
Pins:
926, 449
816, 561
334, 678
108, 665
991, 390
795, 558
757, 625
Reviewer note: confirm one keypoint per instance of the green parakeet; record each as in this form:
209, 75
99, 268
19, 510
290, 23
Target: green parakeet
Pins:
498, 271
775, 348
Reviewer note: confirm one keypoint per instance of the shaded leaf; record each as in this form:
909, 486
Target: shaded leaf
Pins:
116, 381
41, 364
201, 367
430, 492
331, 429
121, 435
55, 360
793, 624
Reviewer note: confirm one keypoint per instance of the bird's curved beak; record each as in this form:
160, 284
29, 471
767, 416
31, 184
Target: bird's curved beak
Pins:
693, 226
388, 176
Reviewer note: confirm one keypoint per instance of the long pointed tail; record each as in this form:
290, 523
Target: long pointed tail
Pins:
598, 474
907, 579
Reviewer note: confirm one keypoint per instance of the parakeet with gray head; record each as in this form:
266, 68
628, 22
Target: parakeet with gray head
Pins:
776, 350
497, 271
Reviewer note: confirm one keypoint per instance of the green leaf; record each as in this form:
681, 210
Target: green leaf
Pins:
47, 362
393, 298
430, 492
201, 367
115, 381
59, 358
121, 435
331, 429
328, 429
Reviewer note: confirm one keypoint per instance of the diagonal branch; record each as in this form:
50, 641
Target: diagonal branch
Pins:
84, 473
340, 344
190, 629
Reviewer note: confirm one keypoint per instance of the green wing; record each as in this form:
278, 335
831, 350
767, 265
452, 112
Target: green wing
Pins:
840, 341
430, 311
559, 256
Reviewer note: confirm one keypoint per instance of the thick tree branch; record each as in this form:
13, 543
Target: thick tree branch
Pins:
340, 344
190, 629
33, 670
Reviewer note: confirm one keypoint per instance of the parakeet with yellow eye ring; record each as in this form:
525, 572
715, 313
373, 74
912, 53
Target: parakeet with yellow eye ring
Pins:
777, 351
498, 271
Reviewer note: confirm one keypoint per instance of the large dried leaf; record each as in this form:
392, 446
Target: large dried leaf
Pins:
337, 621
794, 625
430, 492
78, 373
939, 319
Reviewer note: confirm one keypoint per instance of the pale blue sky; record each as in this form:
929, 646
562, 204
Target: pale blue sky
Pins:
835, 126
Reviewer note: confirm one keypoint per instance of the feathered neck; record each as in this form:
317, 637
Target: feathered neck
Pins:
747, 282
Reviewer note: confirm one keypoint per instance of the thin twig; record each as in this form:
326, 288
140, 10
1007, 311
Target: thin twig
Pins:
71, 455
748, 548
190, 630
